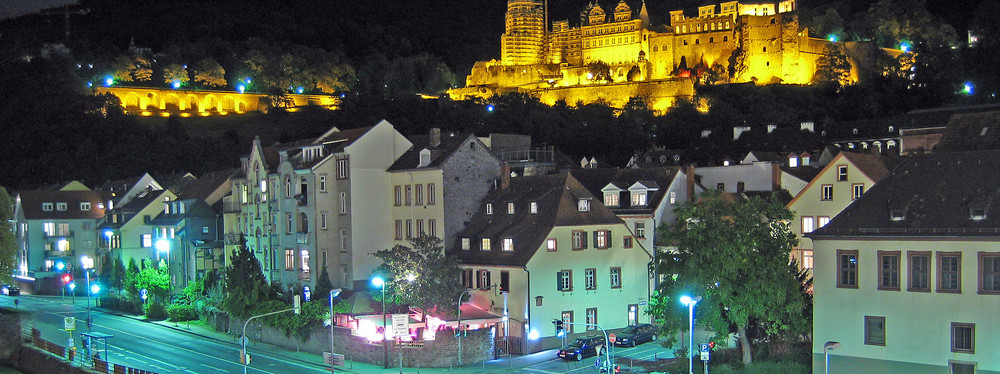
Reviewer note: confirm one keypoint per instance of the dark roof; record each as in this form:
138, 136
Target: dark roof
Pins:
658, 177
134, 206
439, 153
192, 208
654, 158
208, 183
556, 196
915, 119
971, 131
31, 204
933, 194
873, 165
805, 173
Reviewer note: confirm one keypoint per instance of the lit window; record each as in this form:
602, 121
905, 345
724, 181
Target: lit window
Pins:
611, 198
583, 205
550, 244
466, 244
534, 207
508, 245
808, 225
822, 221
639, 198
510, 208
602, 239
305, 261
485, 246
147, 240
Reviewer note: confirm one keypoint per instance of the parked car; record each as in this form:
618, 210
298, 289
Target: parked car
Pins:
582, 348
4, 288
10, 290
635, 334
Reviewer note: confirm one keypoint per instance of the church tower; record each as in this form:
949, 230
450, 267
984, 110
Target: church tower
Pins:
523, 43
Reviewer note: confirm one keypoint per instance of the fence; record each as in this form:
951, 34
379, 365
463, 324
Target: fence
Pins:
101, 366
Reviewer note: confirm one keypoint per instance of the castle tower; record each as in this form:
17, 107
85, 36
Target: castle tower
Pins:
596, 16
523, 43
644, 16
623, 12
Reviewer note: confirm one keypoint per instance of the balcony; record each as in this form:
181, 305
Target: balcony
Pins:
63, 234
49, 254
302, 238
301, 200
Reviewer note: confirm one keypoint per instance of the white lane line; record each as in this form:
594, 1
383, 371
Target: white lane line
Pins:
214, 368
539, 371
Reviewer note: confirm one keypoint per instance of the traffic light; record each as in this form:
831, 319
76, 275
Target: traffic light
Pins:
66, 278
244, 358
711, 345
559, 327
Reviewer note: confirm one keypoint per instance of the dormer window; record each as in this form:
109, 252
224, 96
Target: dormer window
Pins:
489, 208
61, 207
583, 205
897, 214
533, 207
805, 159
639, 198
663, 159
425, 158
977, 213
510, 208
46, 207
85, 206
611, 198
793, 161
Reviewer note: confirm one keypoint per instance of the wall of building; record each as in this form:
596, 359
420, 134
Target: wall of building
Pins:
756, 177
149, 101
468, 175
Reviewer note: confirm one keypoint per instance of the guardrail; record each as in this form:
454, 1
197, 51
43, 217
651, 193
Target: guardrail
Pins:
70, 355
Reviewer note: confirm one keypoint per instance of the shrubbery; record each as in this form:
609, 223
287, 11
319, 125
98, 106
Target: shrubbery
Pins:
179, 312
155, 311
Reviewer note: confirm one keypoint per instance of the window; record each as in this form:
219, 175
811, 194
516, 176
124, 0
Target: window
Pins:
467, 278
888, 270
841, 173
611, 198
963, 337
567, 317
419, 194
204, 229
322, 220
616, 277
579, 240
409, 228
61, 207
147, 240
874, 330
639, 198
550, 244
343, 242
673, 197
583, 205
305, 260
989, 273
483, 279
591, 318
564, 280
640, 229
808, 225
720, 186
949, 272
288, 187
420, 228
399, 229
485, 246
919, 272
489, 208
847, 268
289, 259
807, 259
602, 239
85, 206
409, 195
431, 197
627, 242
822, 221
533, 207
432, 227
398, 195
857, 190
508, 245
322, 183
466, 244
343, 167
590, 278
958, 367
827, 193
504, 281
343, 203
633, 314
510, 208
47, 207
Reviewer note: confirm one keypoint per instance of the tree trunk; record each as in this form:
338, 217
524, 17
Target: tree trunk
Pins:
745, 345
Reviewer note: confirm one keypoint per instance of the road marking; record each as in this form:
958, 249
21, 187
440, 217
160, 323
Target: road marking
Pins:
214, 368
540, 370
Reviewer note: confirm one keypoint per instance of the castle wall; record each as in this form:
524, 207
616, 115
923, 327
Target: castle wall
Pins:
661, 95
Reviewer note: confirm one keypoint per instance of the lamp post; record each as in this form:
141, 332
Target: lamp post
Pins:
459, 326
687, 300
380, 283
87, 264
827, 347
333, 293
163, 245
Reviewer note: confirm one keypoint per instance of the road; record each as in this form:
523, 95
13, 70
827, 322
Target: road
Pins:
152, 347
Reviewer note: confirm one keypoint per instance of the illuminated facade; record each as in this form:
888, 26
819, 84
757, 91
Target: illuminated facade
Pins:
739, 42
150, 101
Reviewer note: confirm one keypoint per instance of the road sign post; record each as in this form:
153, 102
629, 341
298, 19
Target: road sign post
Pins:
705, 355
612, 338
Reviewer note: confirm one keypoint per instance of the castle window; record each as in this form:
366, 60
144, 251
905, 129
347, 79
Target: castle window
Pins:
727, 25
685, 42
711, 40
765, 49
697, 41
656, 48
725, 38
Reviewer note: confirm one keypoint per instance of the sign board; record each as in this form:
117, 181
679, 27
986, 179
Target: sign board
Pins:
333, 359
400, 324
612, 338
704, 347
69, 323
704, 356
643, 302
704, 352
412, 344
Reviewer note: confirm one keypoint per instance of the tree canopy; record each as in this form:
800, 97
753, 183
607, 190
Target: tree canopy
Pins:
422, 275
8, 246
245, 283
732, 251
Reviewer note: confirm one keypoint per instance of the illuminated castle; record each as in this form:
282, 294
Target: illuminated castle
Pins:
738, 42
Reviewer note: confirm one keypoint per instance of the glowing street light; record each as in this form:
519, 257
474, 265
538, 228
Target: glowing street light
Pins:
827, 347
378, 282
333, 293
689, 302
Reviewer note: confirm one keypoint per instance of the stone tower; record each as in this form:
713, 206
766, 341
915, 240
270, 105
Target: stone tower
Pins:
523, 43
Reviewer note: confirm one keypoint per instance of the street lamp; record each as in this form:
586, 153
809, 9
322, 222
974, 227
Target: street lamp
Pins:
163, 245
827, 347
380, 283
687, 300
458, 328
87, 265
333, 293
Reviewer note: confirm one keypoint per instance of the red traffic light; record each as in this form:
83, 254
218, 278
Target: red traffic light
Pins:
66, 278
711, 345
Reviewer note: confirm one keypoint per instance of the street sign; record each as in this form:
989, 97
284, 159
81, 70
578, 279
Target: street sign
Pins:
705, 352
612, 338
333, 359
704, 347
69, 323
400, 324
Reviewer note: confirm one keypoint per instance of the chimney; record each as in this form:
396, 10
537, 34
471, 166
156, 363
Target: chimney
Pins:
505, 176
690, 181
775, 177
435, 137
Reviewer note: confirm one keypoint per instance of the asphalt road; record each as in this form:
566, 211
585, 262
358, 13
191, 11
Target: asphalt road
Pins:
152, 347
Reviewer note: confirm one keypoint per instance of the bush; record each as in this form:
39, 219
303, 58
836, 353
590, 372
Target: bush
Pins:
180, 312
155, 311
122, 305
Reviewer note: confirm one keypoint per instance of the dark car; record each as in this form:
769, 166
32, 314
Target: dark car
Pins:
10, 290
582, 348
635, 334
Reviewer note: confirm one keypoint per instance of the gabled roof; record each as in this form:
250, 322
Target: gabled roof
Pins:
556, 196
873, 166
31, 204
972, 131
659, 178
934, 195
192, 208
439, 154
132, 208
208, 184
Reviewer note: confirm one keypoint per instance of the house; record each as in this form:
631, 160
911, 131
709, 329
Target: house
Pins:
55, 231
907, 278
460, 168
125, 231
917, 131
737, 178
186, 236
971, 131
124, 190
797, 168
543, 247
316, 203
836, 186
